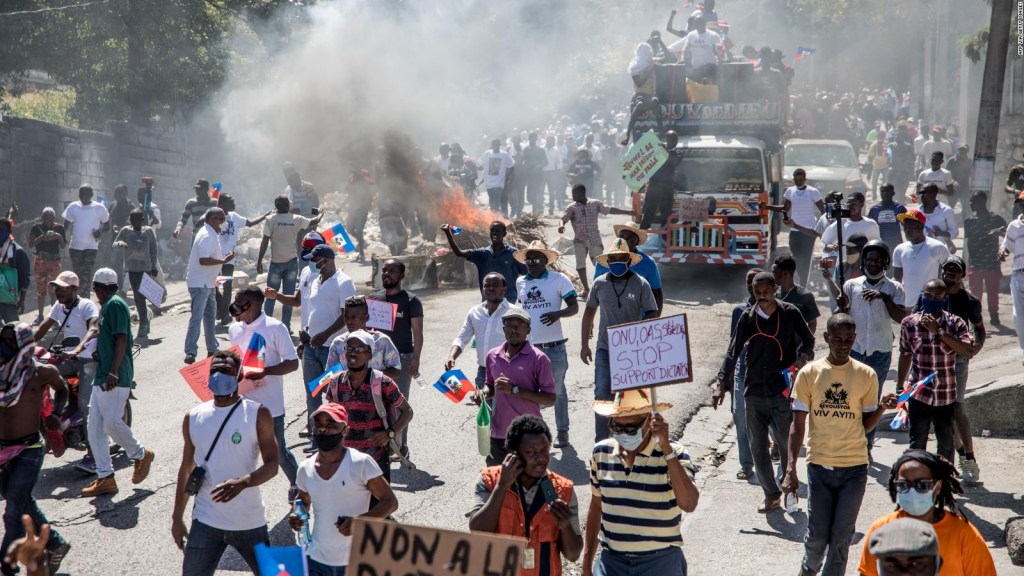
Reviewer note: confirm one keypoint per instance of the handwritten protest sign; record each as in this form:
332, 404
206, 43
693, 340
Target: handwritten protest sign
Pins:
382, 314
198, 373
642, 160
152, 290
693, 209
649, 353
382, 548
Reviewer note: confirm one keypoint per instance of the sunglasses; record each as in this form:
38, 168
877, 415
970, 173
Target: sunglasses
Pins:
534, 260
625, 428
357, 349
919, 486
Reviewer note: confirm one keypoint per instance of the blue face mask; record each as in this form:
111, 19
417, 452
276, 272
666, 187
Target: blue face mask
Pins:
916, 503
222, 384
932, 305
618, 268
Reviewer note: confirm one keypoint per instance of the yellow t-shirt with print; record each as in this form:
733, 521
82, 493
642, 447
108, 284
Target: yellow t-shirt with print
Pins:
835, 399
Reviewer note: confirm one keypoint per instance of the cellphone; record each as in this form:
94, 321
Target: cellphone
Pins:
548, 489
315, 211
785, 215
341, 520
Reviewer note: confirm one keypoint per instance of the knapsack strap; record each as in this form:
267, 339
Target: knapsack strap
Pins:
221, 429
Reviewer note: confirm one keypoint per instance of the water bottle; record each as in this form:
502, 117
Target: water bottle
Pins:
792, 503
302, 537
420, 382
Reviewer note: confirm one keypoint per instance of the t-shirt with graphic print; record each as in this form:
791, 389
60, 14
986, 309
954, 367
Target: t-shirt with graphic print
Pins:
538, 296
836, 399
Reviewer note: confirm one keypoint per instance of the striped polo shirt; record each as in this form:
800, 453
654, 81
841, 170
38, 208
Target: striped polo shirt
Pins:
638, 507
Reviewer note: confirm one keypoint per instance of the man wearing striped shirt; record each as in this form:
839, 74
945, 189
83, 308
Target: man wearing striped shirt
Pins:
641, 483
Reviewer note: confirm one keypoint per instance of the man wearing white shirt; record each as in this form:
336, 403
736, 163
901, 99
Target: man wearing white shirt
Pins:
937, 175
917, 260
701, 50
279, 359
228, 240
938, 143
1013, 244
85, 220
855, 224
498, 168
802, 205
204, 264
940, 218
554, 175
483, 323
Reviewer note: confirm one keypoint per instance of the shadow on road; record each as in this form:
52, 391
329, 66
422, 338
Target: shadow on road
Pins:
571, 466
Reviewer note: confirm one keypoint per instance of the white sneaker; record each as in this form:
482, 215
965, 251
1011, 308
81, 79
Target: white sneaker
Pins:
970, 471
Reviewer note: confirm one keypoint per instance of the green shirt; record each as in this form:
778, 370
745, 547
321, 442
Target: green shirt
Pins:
115, 318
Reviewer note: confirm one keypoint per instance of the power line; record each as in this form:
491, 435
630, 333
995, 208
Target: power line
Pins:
54, 8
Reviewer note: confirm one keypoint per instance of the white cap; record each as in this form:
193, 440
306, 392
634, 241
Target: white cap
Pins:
105, 276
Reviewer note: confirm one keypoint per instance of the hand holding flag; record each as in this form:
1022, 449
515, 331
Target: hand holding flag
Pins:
454, 385
790, 375
317, 385
902, 418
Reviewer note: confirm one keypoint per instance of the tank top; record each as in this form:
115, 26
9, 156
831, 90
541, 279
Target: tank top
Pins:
237, 454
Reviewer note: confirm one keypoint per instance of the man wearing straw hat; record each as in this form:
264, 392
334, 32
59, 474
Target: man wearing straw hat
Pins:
541, 293
637, 517
623, 297
634, 236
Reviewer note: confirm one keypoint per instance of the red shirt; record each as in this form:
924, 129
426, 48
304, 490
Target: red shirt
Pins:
363, 420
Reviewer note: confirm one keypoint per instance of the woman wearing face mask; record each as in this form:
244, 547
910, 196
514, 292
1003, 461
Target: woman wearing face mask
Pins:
923, 486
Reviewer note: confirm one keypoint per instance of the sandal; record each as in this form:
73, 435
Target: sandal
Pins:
744, 475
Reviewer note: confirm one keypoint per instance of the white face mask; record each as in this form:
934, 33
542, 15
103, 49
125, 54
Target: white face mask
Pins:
630, 441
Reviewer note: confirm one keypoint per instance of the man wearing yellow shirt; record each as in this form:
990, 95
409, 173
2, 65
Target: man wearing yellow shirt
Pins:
837, 399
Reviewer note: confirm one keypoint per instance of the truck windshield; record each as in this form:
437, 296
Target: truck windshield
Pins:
807, 155
720, 169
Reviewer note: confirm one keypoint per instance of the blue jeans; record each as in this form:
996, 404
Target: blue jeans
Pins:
880, 363
317, 569
17, 480
834, 498
204, 312
739, 414
288, 464
559, 366
314, 363
602, 391
282, 273
206, 544
667, 562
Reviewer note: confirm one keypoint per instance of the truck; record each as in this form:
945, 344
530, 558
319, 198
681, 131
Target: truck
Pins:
731, 166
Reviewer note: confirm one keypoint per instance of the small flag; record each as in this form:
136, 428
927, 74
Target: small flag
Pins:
255, 356
221, 280
281, 560
454, 385
317, 385
790, 375
902, 417
455, 230
801, 52
215, 192
337, 237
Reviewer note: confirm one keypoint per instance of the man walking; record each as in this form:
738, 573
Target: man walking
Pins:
835, 401
917, 260
634, 236
204, 263
279, 232
47, 238
498, 257
482, 324
385, 358
940, 222
800, 205
936, 175
498, 168
85, 221
195, 209
885, 213
1013, 244
138, 245
541, 293
14, 256
115, 378
784, 271
587, 243
554, 176
533, 164
233, 224
960, 167
981, 239
739, 412
225, 437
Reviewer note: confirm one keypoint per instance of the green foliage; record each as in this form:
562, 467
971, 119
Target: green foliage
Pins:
53, 106
973, 44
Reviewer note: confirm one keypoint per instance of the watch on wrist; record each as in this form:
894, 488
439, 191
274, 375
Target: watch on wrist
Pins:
515, 389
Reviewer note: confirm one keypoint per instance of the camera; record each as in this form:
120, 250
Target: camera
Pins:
834, 206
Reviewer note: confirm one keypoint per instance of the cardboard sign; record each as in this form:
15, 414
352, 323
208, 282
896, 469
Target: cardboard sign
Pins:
694, 209
642, 160
197, 373
649, 353
382, 314
153, 291
382, 548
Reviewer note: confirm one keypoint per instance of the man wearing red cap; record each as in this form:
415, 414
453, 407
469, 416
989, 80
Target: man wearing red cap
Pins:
917, 260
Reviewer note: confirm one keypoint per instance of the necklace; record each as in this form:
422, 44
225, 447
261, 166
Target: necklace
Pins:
915, 249
786, 295
618, 294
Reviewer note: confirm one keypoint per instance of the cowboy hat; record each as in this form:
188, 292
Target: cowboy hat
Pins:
536, 246
634, 228
628, 403
618, 246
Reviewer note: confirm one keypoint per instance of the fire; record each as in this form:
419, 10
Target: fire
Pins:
457, 211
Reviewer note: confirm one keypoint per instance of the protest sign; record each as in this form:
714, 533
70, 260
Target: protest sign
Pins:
642, 160
152, 290
382, 548
649, 353
197, 373
382, 314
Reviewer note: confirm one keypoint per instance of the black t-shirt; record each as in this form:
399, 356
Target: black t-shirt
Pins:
966, 306
409, 307
803, 300
48, 249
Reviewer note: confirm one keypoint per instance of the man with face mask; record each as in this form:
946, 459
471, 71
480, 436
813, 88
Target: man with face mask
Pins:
225, 437
23, 384
635, 236
930, 341
254, 330
337, 485
637, 517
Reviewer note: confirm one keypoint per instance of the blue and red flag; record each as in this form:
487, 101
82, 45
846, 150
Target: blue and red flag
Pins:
802, 52
255, 357
454, 385
317, 384
221, 280
790, 375
215, 190
281, 560
337, 237
902, 418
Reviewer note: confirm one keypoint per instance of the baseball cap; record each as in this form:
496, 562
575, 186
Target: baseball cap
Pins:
321, 251
858, 196
65, 279
105, 276
904, 536
361, 335
856, 242
336, 411
516, 312
913, 214
202, 183
956, 261
309, 241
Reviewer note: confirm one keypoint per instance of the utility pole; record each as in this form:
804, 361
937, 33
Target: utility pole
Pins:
991, 96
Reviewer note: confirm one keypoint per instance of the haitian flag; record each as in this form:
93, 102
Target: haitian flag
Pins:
281, 560
317, 385
454, 385
801, 52
255, 356
902, 417
215, 190
337, 237
790, 375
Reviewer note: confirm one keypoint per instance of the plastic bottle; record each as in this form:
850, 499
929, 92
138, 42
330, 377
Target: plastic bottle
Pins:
792, 503
302, 537
420, 382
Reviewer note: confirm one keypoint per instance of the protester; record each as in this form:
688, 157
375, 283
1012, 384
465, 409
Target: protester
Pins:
279, 232
115, 378
498, 257
541, 293
784, 271
583, 214
554, 176
498, 170
924, 488
775, 337
534, 160
701, 50
981, 240
622, 296
739, 412
120, 209
902, 162
917, 260
233, 224
938, 144
930, 340
22, 389
799, 208
960, 167
47, 238
634, 236
1015, 188
13, 256
225, 437
878, 157
940, 222
509, 498
660, 193
885, 213
855, 224
636, 517
257, 334
936, 175
336, 486
584, 171
204, 263
906, 547
482, 325
195, 209
85, 220
302, 196
359, 389
139, 246
835, 402
385, 358
1013, 244
307, 274
361, 190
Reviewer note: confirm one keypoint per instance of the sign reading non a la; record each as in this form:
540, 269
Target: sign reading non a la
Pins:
649, 353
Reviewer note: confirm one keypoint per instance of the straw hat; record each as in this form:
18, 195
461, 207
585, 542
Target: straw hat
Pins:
634, 228
628, 403
618, 246
537, 246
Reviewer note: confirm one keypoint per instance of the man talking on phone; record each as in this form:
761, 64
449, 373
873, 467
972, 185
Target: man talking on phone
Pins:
522, 498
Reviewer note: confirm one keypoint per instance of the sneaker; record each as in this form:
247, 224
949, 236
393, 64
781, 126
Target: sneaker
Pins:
142, 466
99, 486
563, 439
970, 471
87, 465
993, 319
55, 555
190, 358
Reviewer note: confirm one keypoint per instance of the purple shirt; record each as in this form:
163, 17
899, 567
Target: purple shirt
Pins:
530, 370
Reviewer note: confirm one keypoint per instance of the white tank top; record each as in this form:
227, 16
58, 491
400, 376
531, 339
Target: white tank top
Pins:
237, 454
